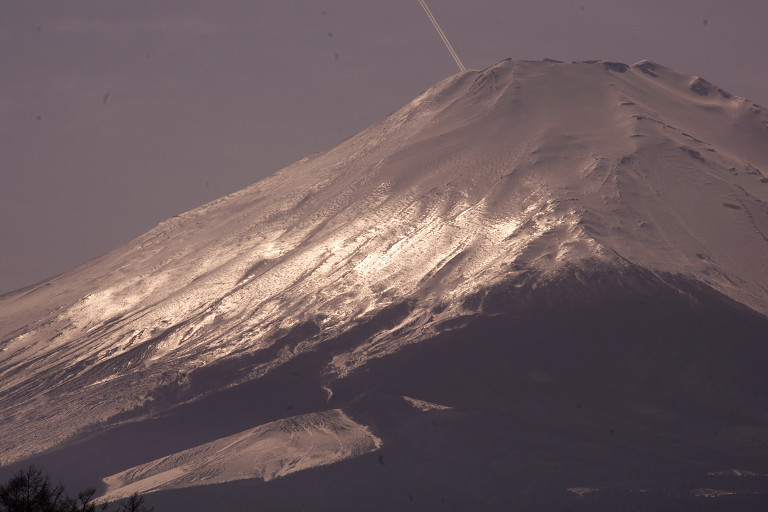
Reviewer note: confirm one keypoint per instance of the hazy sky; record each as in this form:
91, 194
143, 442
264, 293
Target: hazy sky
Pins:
119, 114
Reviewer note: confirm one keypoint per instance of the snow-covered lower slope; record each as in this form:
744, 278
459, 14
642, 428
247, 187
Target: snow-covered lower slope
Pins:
525, 165
266, 452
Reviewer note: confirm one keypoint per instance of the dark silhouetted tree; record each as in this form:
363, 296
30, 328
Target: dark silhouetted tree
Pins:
86, 503
134, 503
29, 490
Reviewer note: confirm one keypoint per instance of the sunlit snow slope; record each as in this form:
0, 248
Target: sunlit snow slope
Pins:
525, 165
265, 452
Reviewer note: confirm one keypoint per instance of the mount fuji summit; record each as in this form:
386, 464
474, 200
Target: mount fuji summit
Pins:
539, 286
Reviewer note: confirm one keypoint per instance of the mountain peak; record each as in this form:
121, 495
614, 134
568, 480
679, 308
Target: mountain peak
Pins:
526, 166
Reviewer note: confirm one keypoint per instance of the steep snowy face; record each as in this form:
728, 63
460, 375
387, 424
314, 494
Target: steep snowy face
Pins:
525, 165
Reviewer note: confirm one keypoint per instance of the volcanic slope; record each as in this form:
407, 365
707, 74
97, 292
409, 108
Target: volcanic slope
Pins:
470, 202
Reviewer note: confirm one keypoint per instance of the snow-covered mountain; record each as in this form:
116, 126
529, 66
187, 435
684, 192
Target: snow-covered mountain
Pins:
493, 198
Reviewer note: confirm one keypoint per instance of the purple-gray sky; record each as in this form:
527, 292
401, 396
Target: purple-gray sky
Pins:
119, 114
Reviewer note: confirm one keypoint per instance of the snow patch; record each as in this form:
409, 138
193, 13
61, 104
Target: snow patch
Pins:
266, 452
581, 491
738, 473
711, 493
425, 406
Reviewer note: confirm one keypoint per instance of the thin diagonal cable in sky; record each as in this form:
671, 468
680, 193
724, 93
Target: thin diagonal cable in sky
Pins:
442, 36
